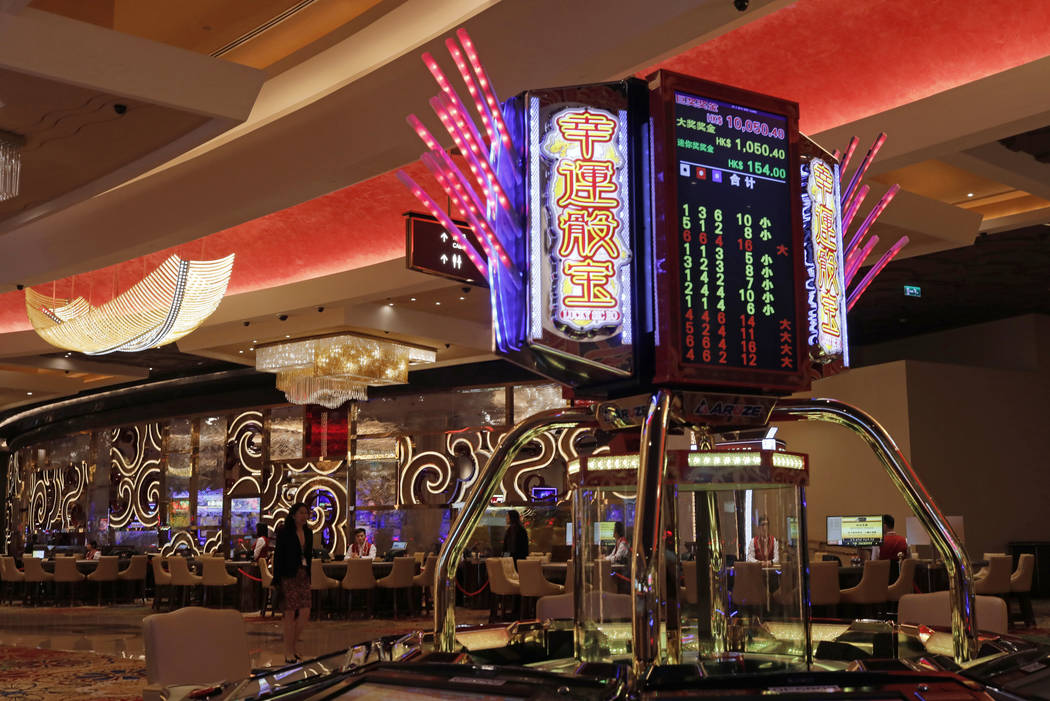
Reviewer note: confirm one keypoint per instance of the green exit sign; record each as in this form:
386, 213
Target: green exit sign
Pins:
912, 291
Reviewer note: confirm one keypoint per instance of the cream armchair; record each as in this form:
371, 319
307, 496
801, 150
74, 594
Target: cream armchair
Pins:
193, 646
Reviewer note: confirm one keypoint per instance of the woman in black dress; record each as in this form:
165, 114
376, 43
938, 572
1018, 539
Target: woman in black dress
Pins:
516, 539
291, 572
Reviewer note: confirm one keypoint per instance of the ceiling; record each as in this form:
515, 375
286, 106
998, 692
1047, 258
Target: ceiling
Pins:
302, 189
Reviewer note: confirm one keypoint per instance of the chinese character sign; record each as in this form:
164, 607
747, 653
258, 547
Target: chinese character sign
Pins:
586, 205
826, 238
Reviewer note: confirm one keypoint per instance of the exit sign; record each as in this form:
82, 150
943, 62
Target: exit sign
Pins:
912, 291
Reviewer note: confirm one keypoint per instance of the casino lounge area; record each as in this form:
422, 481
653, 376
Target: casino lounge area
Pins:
689, 359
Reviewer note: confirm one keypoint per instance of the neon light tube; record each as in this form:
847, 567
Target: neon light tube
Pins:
472, 88
872, 216
850, 148
486, 88
481, 168
446, 221
875, 270
847, 218
856, 260
864, 165
456, 107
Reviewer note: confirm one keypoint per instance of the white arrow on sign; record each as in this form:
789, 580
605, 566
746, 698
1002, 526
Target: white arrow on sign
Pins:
444, 237
444, 258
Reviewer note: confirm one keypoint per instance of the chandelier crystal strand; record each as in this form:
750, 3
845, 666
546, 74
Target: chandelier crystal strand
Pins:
10, 164
332, 370
166, 305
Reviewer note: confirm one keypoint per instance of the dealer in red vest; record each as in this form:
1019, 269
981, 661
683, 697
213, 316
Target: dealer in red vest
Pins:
763, 547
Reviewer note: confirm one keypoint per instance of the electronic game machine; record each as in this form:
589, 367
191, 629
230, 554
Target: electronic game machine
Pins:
671, 251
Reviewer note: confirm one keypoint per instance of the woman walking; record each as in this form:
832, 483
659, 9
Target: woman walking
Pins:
291, 573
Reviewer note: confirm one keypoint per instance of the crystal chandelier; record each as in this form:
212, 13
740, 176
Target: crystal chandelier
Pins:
334, 369
166, 305
10, 164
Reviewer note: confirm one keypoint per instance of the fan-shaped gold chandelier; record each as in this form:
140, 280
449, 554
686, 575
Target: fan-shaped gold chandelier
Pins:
166, 305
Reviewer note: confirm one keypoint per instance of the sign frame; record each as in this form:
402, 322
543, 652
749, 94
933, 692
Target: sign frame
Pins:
410, 253
669, 368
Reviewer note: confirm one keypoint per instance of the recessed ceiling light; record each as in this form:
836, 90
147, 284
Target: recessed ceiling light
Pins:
240, 351
412, 299
462, 298
29, 394
252, 348
437, 304
391, 304
969, 194
288, 335
149, 368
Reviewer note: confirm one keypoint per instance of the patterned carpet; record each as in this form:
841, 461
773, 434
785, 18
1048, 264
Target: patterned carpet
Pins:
31, 674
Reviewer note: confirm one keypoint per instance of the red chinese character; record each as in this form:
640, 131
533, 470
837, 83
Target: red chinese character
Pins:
587, 129
592, 277
588, 184
782, 250
587, 232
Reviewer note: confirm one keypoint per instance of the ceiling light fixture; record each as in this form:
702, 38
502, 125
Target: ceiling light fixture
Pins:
969, 194
10, 164
332, 370
169, 303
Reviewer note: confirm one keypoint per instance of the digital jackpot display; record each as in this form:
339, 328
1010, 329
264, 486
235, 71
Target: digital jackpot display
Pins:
731, 308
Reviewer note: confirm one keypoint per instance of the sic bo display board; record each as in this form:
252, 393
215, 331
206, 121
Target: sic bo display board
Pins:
728, 239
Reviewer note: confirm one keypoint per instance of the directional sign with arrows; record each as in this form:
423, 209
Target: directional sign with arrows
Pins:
430, 249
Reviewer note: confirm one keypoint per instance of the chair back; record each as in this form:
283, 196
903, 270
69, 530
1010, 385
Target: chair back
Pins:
997, 576
498, 582
824, 583
107, 569
402, 573
935, 609
509, 569
195, 646
1021, 579
8, 571
359, 574
33, 568
874, 583
426, 577
905, 583
318, 579
161, 576
419, 557
554, 606
215, 574
136, 568
180, 572
532, 582
265, 574
749, 585
66, 570
690, 590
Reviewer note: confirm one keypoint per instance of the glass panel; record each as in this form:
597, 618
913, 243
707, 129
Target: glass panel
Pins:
532, 399
98, 497
286, 433
424, 530
433, 412
180, 436
376, 482
211, 459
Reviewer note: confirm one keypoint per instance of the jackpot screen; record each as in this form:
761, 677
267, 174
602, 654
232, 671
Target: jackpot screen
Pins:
737, 292
855, 531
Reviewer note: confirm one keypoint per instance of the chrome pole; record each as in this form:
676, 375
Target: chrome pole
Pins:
802, 557
717, 589
669, 565
476, 502
648, 539
579, 632
960, 575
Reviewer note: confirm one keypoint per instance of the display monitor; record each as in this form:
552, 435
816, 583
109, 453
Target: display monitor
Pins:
732, 305
179, 516
41, 554
244, 514
855, 531
604, 530
399, 546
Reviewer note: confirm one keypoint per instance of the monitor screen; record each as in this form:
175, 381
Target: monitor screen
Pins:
399, 545
604, 530
40, 554
855, 531
568, 533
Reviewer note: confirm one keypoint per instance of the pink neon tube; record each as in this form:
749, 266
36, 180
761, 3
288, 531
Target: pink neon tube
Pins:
445, 220
875, 270
456, 107
857, 258
472, 88
872, 216
847, 218
486, 88
844, 163
864, 165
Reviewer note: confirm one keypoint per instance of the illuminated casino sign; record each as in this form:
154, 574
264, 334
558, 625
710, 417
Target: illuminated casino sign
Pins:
731, 309
825, 285
586, 240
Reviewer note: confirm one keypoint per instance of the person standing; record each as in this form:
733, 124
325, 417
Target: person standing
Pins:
894, 547
361, 548
763, 548
516, 539
291, 572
